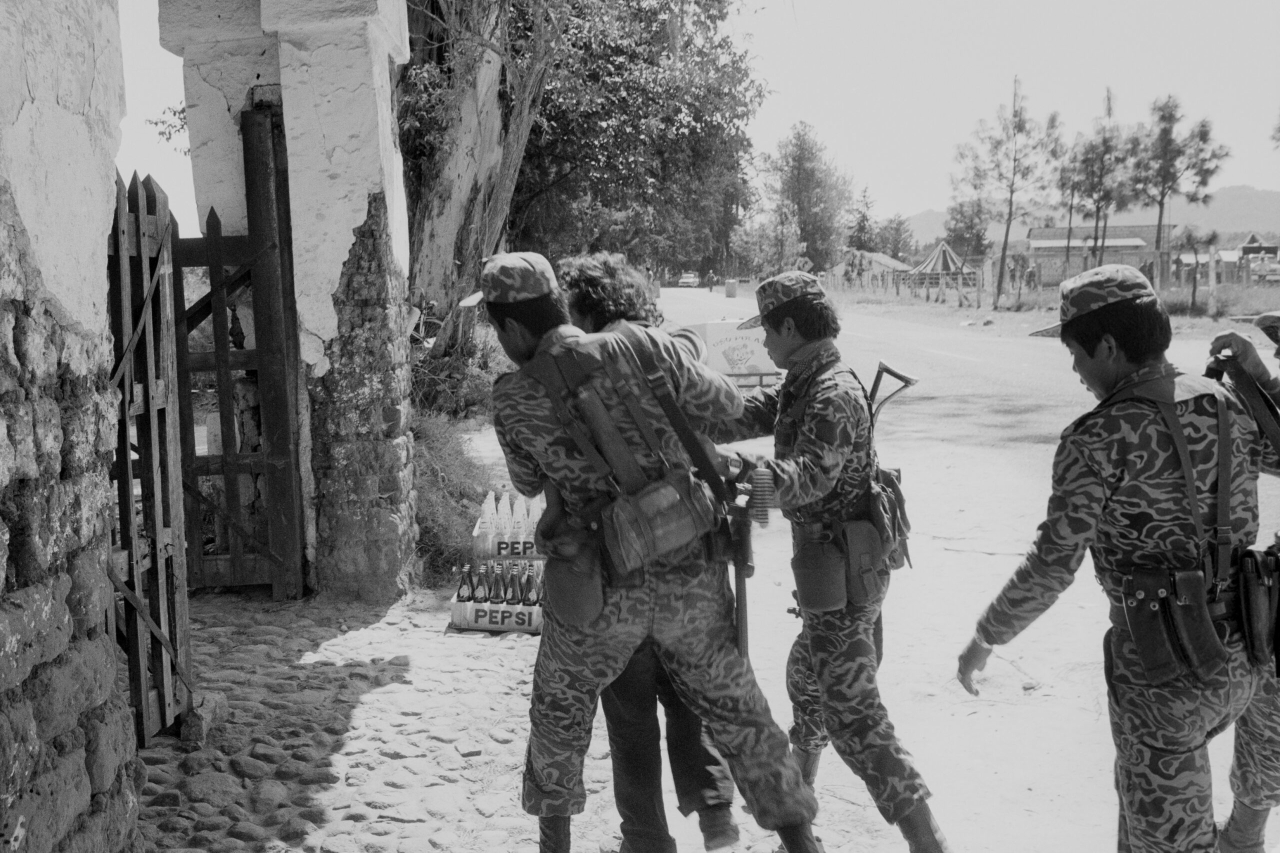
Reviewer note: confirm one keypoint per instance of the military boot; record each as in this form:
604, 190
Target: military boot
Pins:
553, 834
808, 762
717, 826
921, 831
798, 838
1244, 830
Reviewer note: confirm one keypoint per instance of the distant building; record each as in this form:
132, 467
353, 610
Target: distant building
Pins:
1125, 244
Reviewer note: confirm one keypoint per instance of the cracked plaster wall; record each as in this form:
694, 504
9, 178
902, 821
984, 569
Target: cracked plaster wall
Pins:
334, 61
69, 775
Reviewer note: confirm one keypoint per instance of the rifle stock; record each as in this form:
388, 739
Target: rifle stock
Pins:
743, 568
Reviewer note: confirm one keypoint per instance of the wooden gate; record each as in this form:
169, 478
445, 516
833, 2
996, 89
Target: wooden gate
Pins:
244, 493
148, 566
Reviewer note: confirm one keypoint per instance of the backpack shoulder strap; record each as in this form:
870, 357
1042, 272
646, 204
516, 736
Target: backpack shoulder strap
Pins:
545, 368
638, 346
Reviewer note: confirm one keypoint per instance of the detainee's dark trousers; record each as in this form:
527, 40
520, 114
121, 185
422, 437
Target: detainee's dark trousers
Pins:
701, 776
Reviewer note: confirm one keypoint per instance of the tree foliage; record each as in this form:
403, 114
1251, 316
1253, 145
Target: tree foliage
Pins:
966, 224
895, 238
640, 143
801, 175
1010, 167
767, 243
1106, 185
1167, 163
864, 234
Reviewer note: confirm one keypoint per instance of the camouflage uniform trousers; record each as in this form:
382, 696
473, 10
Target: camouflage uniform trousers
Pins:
831, 679
1162, 733
690, 618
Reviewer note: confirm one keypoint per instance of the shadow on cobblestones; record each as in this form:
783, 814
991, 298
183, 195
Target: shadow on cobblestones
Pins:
259, 781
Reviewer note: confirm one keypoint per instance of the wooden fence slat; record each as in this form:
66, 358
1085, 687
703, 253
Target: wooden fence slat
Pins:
150, 457
231, 484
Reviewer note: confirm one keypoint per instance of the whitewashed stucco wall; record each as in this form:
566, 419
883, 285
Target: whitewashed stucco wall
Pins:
334, 61
61, 101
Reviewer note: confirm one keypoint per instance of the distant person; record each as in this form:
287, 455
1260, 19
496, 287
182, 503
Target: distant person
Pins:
602, 290
1137, 483
826, 476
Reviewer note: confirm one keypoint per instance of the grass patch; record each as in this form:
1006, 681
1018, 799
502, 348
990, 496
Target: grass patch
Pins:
451, 486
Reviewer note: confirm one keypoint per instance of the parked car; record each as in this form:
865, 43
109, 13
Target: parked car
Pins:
689, 279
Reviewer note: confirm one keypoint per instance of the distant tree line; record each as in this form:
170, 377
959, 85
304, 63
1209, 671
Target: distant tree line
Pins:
1021, 170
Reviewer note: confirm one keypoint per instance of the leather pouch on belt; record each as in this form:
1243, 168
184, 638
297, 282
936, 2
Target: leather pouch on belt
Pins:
865, 566
819, 569
1145, 593
1193, 626
573, 580
1258, 604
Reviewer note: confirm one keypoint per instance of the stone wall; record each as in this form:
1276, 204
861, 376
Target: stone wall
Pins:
363, 450
68, 767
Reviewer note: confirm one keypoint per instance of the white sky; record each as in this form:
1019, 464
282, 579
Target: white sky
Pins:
891, 87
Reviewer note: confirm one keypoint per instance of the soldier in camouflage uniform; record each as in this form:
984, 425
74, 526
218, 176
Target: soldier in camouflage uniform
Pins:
1255, 780
1119, 491
682, 601
823, 466
601, 290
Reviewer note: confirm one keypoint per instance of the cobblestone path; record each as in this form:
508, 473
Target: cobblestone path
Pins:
360, 730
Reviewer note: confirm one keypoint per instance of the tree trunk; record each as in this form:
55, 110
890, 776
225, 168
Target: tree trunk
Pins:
1071, 212
1195, 277
1159, 245
1097, 223
1004, 251
1102, 250
463, 194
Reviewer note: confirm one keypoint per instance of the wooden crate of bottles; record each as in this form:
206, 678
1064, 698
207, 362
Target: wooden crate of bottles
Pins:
501, 588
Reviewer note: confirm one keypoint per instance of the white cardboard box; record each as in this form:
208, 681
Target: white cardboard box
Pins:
498, 618
738, 353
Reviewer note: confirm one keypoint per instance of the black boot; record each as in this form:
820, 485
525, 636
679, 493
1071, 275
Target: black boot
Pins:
798, 838
553, 834
1244, 830
808, 762
717, 826
922, 832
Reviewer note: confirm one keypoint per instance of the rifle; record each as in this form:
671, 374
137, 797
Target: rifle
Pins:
751, 503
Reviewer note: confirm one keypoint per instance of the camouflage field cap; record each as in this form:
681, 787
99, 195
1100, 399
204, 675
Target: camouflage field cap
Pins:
783, 287
513, 277
1094, 289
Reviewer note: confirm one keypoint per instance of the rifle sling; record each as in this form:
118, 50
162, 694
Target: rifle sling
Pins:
638, 347
545, 370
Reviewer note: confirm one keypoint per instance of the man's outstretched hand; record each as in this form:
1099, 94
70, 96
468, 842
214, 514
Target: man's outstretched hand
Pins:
972, 659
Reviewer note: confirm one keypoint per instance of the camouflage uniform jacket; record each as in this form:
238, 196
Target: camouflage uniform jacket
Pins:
823, 454
539, 451
1118, 490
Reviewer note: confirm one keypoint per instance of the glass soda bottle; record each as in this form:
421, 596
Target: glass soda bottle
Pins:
466, 584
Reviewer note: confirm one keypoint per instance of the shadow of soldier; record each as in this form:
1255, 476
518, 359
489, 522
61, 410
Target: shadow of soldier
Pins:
257, 780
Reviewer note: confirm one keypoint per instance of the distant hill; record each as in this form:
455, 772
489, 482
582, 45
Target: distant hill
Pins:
1232, 210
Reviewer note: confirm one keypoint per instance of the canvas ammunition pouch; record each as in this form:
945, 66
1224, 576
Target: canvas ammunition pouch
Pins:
642, 519
573, 577
1259, 594
1167, 609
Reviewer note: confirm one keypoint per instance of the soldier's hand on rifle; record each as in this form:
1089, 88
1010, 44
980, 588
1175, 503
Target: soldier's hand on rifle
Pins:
972, 659
1244, 352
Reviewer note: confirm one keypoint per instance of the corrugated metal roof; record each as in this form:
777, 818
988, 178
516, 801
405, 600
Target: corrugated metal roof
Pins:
1084, 242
